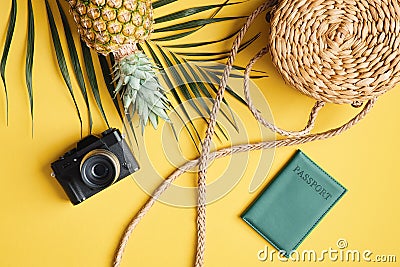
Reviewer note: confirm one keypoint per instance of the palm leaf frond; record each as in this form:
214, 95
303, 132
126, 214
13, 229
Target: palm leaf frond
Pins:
198, 44
161, 3
188, 83
176, 96
10, 33
207, 56
194, 23
189, 12
185, 81
176, 36
215, 79
29, 56
204, 89
73, 55
61, 58
87, 57
183, 87
195, 86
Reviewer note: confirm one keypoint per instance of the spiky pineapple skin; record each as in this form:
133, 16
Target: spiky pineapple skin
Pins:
107, 25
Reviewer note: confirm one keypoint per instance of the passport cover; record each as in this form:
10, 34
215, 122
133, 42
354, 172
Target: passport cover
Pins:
293, 203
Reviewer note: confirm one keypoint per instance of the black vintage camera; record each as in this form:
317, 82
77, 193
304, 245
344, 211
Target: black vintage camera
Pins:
94, 164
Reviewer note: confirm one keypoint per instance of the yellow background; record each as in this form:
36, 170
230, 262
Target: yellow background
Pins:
39, 227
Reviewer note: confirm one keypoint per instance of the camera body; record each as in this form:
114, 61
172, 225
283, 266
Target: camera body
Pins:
95, 164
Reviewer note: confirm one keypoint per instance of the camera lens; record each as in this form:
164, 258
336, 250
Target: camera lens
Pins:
100, 168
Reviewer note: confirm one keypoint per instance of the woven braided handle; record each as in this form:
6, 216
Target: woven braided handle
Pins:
294, 138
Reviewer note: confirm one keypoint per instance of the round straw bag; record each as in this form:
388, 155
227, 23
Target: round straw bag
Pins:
342, 51
337, 51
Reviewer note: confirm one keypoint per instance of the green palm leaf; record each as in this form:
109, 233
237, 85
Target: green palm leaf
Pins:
10, 32
176, 36
29, 57
162, 3
189, 12
207, 56
198, 44
215, 79
87, 57
206, 92
186, 85
194, 24
61, 58
174, 93
73, 54
191, 76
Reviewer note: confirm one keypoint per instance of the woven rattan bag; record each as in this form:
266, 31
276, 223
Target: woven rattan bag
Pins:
344, 52
337, 51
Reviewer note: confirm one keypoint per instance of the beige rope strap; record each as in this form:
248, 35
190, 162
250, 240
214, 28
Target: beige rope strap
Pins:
226, 152
313, 115
204, 158
294, 137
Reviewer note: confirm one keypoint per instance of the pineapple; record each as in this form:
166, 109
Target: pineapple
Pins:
117, 26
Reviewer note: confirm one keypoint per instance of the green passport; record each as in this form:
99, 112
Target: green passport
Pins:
293, 203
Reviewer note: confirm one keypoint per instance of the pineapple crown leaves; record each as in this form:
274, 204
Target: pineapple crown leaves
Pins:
140, 89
